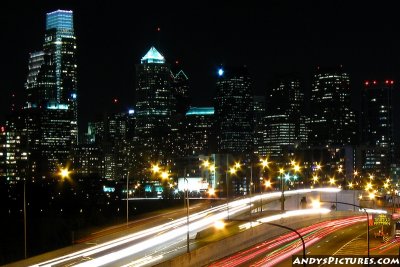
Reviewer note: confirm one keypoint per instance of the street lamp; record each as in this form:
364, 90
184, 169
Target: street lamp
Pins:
264, 164
209, 168
232, 171
64, 173
365, 210
293, 230
285, 227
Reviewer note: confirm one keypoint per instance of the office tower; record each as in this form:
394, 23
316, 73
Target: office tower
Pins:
332, 120
36, 84
155, 105
60, 45
16, 146
234, 111
51, 97
377, 127
89, 159
52, 73
180, 89
55, 135
117, 144
284, 120
199, 123
3, 152
259, 125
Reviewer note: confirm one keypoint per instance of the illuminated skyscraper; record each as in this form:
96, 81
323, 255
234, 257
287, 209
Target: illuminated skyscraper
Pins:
155, 107
332, 120
199, 124
285, 120
180, 88
50, 114
234, 111
377, 126
259, 125
3, 151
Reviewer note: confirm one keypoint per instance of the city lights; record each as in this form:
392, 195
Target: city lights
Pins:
107, 119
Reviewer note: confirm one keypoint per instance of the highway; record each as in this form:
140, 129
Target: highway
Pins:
279, 249
337, 237
162, 240
144, 247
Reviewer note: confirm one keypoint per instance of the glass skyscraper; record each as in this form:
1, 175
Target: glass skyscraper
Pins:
60, 45
155, 107
199, 131
50, 114
234, 111
330, 105
377, 127
285, 121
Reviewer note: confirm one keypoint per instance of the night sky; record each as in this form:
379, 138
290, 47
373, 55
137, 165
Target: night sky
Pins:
278, 37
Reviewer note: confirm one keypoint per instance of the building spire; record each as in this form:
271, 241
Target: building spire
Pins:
153, 56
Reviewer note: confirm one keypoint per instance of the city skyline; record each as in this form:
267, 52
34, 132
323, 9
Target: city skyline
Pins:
284, 37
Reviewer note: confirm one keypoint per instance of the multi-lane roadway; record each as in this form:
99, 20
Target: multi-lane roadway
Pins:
158, 239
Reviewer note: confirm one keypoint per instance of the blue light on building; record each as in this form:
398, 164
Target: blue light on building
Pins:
220, 72
59, 19
200, 111
55, 105
74, 96
131, 111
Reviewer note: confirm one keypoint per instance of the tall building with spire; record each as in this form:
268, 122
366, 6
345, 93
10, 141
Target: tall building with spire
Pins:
60, 46
49, 118
155, 108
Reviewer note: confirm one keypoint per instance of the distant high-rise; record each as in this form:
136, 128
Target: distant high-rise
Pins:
234, 111
199, 124
259, 125
155, 107
377, 127
332, 120
180, 89
3, 152
284, 120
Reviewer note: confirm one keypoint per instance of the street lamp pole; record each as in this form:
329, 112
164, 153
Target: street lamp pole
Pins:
282, 194
251, 182
187, 210
365, 210
127, 197
261, 193
287, 228
25, 250
227, 186
293, 230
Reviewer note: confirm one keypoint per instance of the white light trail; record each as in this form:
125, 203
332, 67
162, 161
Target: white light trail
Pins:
170, 230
